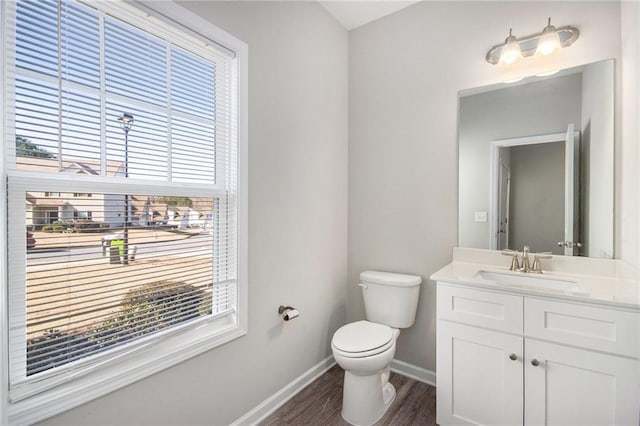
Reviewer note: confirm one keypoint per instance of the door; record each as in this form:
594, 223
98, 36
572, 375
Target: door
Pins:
571, 155
51, 216
571, 386
504, 192
479, 376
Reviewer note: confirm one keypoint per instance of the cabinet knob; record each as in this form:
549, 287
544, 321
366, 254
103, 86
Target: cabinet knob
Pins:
513, 357
535, 362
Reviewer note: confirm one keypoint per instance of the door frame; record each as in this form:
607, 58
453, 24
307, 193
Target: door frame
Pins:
502, 168
494, 176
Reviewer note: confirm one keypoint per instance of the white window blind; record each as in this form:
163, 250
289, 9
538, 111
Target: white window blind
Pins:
117, 237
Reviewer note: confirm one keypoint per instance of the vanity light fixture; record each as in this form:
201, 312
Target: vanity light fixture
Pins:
544, 43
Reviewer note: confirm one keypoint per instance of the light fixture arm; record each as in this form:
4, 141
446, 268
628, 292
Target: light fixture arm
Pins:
528, 44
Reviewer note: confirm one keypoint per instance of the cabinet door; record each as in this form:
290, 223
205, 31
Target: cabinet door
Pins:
571, 386
478, 382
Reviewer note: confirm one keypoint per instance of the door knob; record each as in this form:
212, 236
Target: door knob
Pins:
535, 362
513, 357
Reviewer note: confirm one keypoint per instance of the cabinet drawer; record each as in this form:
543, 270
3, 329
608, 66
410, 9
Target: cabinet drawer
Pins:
480, 308
590, 327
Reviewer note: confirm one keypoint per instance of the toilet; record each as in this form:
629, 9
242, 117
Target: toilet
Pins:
365, 349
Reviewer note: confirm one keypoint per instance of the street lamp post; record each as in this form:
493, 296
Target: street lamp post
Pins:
126, 121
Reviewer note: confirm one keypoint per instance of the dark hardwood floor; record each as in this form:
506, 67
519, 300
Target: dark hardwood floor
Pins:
320, 403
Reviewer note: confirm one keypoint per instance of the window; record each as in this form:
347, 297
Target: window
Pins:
122, 157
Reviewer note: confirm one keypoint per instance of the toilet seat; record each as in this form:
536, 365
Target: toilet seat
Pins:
362, 339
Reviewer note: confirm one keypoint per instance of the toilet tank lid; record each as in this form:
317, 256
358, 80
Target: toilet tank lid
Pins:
389, 278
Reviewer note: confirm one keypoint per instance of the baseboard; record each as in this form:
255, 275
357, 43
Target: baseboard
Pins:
275, 401
414, 372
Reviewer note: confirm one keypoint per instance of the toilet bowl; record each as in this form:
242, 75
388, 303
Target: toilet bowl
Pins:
365, 349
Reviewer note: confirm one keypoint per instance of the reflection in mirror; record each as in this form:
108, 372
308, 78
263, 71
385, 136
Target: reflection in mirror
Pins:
536, 163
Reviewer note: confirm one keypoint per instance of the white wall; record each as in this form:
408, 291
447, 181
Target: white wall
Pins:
536, 108
629, 180
297, 224
405, 73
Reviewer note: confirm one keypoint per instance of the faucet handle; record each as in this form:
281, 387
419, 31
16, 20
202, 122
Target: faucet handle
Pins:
515, 264
537, 265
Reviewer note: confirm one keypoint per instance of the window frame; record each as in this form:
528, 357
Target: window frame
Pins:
165, 350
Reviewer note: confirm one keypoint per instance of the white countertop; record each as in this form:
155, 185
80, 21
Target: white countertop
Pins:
602, 281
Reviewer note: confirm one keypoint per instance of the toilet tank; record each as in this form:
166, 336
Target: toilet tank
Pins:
389, 298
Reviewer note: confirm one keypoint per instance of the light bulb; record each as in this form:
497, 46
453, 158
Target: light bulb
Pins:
510, 52
549, 40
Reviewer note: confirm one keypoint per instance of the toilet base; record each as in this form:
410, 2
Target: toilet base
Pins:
365, 399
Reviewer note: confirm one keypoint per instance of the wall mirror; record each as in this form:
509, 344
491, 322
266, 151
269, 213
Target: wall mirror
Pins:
536, 163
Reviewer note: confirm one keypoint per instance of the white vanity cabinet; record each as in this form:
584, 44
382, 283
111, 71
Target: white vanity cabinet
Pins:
508, 359
572, 386
477, 381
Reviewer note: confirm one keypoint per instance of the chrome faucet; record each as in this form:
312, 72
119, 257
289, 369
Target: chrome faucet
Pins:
520, 261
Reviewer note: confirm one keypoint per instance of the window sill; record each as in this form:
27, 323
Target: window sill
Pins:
122, 372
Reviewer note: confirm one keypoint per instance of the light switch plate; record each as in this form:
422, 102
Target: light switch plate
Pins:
480, 216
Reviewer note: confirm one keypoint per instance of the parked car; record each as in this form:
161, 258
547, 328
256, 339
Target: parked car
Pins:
31, 241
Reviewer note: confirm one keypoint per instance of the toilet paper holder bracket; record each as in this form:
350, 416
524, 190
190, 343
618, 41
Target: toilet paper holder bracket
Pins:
288, 312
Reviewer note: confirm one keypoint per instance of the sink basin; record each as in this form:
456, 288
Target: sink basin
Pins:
538, 282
